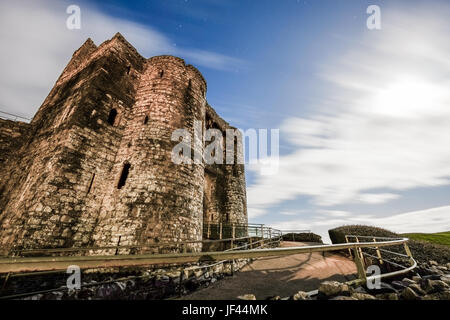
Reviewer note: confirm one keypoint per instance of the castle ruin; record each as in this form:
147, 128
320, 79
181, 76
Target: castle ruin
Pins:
94, 164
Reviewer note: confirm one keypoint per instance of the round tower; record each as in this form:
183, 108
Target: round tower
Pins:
155, 200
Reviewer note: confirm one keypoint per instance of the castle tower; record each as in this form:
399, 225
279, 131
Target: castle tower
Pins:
94, 165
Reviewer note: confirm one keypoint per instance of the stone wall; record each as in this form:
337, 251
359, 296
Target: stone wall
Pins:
94, 165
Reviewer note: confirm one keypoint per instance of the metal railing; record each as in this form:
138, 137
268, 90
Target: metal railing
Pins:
253, 243
359, 256
253, 248
29, 264
229, 235
217, 231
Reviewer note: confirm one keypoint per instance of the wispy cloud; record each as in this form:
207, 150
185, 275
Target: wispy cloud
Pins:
37, 45
429, 220
387, 130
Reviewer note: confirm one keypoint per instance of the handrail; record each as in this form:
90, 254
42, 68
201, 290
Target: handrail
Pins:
20, 264
27, 264
150, 245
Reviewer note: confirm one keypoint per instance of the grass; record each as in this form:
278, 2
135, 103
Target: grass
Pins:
437, 238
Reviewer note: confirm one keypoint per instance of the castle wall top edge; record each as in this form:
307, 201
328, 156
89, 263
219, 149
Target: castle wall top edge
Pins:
180, 60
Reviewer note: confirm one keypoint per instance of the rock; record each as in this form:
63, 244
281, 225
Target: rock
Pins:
432, 286
274, 298
446, 279
409, 294
400, 285
333, 288
434, 296
448, 265
445, 295
359, 290
392, 296
387, 296
247, 297
438, 296
417, 278
343, 298
408, 281
362, 296
301, 295
439, 285
385, 288
432, 263
432, 277
417, 289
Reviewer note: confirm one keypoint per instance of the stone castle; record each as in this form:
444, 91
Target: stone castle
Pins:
94, 165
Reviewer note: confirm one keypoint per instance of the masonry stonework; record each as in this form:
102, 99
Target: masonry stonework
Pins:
94, 165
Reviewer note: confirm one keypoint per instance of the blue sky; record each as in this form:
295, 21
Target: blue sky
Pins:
363, 114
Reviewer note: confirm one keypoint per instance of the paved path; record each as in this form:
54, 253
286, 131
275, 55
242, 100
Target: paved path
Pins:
282, 276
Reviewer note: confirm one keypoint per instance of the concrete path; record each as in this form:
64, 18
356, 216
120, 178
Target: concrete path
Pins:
282, 276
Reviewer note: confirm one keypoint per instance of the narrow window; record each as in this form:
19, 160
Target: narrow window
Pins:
124, 175
112, 116
128, 69
146, 120
161, 73
91, 183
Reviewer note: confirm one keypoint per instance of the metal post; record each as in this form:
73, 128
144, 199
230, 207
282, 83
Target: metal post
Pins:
220, 231
233, 235
209, 230
361, 256
407, 250
359, 265
380, 258
349, 250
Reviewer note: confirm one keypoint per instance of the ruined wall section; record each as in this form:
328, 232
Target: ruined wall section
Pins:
12, 136
160, 201
47, 197
225, 190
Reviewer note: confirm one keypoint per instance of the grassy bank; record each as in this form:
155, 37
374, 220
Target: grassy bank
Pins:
437, 238
422, 250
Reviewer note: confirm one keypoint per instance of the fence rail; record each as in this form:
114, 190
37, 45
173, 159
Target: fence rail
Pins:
29, 264
249, 247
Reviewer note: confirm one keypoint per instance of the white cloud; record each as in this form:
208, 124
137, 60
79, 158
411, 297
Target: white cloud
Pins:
387, 131
427, 221
37, 46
